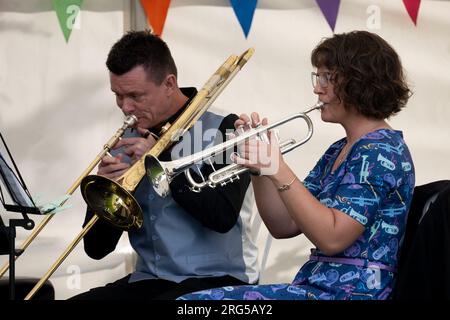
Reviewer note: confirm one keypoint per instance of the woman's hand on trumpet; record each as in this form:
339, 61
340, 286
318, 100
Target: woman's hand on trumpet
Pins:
259, 154
133, 148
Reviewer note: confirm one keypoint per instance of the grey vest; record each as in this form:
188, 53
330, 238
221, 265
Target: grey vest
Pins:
174, 246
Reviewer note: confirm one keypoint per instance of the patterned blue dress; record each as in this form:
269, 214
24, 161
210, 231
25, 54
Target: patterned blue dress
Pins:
374, 186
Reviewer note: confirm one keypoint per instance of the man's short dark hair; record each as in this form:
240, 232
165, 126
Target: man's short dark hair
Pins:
141, 48
369, 74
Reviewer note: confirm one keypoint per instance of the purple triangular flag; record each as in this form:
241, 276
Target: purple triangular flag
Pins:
330, 10
244, 10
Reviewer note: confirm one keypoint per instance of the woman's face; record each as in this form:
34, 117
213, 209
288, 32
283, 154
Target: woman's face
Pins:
333, 109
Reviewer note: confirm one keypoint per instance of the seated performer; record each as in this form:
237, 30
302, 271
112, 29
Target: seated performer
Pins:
189, 241
353, 204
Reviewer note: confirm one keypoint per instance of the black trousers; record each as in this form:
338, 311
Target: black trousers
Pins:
155, 289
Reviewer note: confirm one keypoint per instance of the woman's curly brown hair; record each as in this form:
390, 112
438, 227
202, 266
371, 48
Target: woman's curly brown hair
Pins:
368, 73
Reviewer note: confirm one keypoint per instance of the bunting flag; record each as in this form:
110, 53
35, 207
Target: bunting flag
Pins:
156, 12
412, 6
244, 10
68, 15
330, 10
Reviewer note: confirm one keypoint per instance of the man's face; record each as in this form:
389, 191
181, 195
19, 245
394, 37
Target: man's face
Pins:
138, 95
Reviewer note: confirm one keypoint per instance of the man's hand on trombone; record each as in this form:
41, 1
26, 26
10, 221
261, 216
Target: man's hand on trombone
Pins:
112, 167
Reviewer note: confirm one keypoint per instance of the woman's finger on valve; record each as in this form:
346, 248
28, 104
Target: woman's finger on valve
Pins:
243, 119
255, 120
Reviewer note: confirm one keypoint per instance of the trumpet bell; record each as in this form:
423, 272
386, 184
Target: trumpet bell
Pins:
107, 199
157, 175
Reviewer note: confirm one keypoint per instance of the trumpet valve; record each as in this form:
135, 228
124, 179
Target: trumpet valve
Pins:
195, 189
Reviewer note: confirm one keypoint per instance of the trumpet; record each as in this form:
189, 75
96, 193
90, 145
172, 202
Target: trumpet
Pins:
161, 173
128, 122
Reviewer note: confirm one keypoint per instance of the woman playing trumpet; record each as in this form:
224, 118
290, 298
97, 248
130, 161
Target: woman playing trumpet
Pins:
353, 204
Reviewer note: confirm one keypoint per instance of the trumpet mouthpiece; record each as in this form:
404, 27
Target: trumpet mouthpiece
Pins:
318, 105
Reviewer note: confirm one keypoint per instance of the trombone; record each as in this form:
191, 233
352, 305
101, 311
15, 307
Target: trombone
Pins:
162, 173
128, 122
112, 200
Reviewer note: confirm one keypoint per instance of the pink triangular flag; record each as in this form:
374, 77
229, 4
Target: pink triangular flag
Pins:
412, 6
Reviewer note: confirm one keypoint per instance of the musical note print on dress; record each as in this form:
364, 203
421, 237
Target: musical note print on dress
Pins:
374, 186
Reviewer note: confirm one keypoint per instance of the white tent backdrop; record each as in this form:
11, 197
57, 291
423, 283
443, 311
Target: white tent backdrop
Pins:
57, 111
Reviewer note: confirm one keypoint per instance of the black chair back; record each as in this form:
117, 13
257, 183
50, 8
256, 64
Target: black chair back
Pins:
424, 262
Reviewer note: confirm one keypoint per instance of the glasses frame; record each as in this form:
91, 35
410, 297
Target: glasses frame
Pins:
323, 79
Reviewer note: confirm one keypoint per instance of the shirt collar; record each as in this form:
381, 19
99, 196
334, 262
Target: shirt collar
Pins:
189, 92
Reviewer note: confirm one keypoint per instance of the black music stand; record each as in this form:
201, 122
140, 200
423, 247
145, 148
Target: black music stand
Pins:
22, 203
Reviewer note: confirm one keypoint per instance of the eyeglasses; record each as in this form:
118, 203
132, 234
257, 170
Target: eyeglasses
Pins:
322, 79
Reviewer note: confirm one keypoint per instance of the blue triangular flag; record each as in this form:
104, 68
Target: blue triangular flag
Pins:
244, 10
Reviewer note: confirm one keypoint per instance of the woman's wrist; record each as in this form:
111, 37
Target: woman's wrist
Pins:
283, 175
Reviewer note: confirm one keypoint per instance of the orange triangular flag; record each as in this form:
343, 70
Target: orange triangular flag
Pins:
156, 11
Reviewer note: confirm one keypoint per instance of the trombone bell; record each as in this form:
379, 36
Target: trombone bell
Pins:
111, 202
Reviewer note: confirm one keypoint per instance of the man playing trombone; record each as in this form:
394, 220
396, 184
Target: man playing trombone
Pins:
188, 241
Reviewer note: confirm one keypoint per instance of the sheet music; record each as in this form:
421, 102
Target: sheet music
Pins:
13, 185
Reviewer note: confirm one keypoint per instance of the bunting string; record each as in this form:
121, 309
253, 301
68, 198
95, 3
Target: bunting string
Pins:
68, 13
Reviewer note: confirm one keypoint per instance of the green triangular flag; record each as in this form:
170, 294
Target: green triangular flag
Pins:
67, 12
